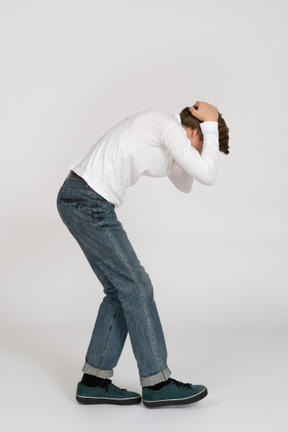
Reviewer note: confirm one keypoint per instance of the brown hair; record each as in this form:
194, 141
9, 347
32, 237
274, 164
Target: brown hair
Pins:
188, 120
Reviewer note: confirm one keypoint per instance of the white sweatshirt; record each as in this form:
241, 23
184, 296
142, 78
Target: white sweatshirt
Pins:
149, 143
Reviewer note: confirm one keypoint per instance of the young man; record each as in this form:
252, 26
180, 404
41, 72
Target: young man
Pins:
183, 147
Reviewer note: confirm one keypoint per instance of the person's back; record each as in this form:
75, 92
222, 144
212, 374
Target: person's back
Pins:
131, 148
149, 143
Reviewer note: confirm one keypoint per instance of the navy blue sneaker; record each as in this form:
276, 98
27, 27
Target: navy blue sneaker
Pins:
173, 393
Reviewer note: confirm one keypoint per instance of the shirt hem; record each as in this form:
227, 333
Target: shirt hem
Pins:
97, 189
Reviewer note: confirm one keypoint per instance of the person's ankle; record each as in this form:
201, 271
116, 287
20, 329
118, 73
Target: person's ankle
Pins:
91, 380
159, 386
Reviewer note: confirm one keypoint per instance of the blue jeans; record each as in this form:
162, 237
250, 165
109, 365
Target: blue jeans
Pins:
128, 305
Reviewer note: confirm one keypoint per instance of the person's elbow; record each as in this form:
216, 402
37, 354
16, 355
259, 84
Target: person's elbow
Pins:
208, 178
210, 182
186, 189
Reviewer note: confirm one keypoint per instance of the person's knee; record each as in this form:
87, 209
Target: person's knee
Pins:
137, 291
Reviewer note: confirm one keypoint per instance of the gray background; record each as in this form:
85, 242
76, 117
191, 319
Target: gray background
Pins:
217, 257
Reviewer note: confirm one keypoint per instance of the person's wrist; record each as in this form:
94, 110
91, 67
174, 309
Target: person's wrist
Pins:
211, 118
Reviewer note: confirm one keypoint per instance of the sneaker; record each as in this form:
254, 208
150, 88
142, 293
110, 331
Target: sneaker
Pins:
106, 393
173, 393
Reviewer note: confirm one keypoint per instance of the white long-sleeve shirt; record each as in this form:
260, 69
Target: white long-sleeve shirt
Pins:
149, 143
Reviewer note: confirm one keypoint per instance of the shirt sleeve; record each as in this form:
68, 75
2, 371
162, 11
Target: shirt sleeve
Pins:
180, 178
202, 167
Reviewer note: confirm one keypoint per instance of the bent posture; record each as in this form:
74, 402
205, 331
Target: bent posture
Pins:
184, 147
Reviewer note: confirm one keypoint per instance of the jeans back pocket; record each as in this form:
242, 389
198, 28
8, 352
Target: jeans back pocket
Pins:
72, 211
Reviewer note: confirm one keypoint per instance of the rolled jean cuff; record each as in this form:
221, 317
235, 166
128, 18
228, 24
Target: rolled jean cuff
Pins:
155, 379
90, 370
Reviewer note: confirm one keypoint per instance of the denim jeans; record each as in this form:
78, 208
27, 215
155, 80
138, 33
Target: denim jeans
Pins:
128, 305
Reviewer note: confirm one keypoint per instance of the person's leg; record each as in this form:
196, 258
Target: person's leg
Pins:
108, 338
129, 301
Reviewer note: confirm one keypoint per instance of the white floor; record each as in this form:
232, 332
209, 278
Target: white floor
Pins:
246, 376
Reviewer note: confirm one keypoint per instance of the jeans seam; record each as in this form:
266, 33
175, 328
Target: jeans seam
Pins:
144, 305
107, 338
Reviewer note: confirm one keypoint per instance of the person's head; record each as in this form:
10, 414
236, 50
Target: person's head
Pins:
192, 126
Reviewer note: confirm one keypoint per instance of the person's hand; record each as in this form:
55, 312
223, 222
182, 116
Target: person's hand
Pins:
204, 111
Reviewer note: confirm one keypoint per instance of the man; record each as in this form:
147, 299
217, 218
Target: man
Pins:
183, 147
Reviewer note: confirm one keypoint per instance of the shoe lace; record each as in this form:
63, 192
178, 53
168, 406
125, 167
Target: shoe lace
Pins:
105, 384
181, 384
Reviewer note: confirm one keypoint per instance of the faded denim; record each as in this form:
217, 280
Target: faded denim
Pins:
128, 305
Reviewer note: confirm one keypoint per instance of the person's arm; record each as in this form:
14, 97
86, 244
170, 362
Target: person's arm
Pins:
180, 178
202, 167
